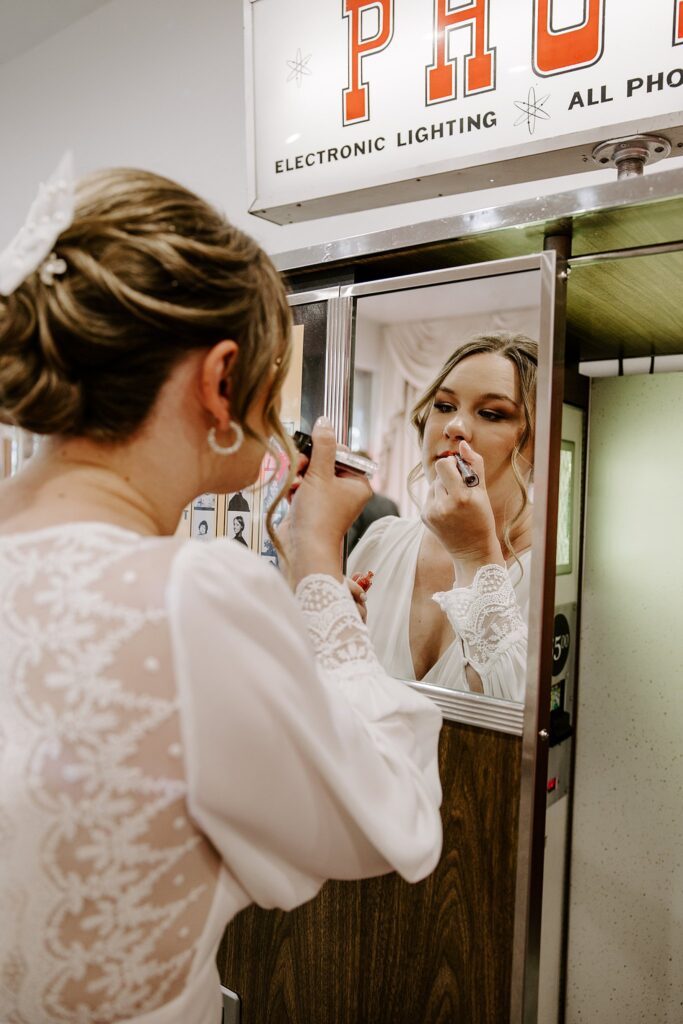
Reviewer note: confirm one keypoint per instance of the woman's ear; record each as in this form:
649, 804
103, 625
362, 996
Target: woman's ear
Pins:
215, 374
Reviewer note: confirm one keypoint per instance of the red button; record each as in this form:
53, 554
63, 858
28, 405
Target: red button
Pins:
552, 784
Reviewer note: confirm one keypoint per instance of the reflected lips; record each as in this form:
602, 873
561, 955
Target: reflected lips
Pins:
468, 475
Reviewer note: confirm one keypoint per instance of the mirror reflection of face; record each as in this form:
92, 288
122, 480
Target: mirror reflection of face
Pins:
480, 402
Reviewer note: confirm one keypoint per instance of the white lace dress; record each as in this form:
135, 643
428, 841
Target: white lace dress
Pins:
179, 738
489, 618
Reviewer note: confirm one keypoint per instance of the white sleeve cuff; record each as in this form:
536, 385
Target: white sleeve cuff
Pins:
485, 615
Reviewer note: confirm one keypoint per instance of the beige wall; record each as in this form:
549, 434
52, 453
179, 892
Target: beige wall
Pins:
626, 909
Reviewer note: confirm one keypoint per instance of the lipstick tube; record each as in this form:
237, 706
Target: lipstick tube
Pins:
468, 475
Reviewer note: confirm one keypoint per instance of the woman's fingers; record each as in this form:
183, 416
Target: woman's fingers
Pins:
325, 504
363, 579
460, 516
358, 595
474, 459
301, 464
447, 474
322, 458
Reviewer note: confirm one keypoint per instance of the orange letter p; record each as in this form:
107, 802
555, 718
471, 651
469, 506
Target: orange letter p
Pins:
356, 99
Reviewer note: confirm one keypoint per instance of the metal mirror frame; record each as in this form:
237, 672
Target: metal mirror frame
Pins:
457, 706
474, 709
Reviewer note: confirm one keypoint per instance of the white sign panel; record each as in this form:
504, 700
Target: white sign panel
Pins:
360, 103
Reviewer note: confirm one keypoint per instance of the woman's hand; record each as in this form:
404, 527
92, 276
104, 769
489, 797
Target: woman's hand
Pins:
322, 508
461, 517
358, 595
363, 579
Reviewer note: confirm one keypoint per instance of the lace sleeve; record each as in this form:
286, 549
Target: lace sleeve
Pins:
487, 618
340, 639
347, 663
303, 764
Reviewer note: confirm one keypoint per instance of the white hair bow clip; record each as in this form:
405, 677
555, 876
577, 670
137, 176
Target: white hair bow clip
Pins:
52, 211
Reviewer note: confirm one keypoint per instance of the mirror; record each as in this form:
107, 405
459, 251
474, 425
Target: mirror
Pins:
403, 340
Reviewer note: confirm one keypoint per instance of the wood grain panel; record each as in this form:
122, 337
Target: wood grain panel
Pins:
631, 307
626, 226
385, 952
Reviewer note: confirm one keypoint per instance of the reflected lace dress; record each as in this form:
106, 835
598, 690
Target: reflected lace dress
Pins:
489, 618
180, 737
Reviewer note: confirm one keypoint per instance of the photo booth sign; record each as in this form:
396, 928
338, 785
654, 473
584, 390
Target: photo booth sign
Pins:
360, 103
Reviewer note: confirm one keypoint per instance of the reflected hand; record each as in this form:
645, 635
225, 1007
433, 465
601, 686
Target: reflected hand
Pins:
461, 517
358, 595
363, 579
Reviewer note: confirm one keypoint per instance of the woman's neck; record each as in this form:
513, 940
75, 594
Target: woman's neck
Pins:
74, 480
520, 534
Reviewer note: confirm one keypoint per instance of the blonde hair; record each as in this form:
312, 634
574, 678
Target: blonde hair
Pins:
153, 272
523, 353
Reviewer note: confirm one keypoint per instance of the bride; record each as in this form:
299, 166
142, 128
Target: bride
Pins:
448, 602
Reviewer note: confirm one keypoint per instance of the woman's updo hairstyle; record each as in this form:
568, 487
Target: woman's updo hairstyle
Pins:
152, 272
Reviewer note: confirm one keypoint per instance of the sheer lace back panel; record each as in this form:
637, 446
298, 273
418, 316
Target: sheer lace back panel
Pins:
105, 884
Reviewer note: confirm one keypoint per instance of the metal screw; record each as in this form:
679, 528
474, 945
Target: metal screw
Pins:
630, 154
544, 735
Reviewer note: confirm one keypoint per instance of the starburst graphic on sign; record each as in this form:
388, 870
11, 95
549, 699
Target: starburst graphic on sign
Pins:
532, 110
298, 68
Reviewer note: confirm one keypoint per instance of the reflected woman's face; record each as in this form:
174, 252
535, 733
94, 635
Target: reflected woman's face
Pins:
478, 402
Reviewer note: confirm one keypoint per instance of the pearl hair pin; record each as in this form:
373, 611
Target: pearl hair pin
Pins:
53, 265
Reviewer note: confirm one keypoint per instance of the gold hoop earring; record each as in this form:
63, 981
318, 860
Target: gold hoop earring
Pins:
231, 448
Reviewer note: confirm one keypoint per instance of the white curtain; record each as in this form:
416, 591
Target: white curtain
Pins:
412, 354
